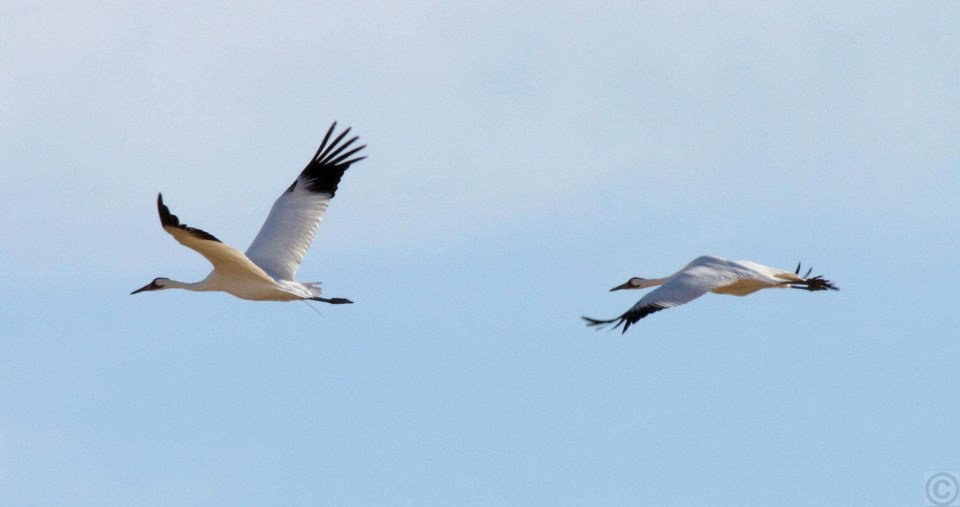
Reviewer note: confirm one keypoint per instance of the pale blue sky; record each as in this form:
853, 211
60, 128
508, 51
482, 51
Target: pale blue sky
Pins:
523, 159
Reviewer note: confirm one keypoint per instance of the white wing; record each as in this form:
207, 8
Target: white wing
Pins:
224, 257
713, 274
286, 235
681, 288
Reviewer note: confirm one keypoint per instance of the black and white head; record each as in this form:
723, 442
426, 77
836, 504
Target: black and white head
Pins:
156, 284
633, 283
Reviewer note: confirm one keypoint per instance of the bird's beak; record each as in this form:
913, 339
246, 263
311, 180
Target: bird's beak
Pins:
623, 286
149, 286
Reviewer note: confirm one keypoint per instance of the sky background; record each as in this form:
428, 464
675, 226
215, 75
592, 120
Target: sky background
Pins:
523, 158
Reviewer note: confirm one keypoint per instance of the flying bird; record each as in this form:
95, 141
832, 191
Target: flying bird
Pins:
266, 271
709, 274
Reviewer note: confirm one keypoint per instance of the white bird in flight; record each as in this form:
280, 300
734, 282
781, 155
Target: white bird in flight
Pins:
709, 274
266, 272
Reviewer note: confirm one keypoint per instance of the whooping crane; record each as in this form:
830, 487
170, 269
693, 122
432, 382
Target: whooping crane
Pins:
266, 272
709, 274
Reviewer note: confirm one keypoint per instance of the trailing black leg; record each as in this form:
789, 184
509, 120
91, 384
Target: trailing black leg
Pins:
332, 301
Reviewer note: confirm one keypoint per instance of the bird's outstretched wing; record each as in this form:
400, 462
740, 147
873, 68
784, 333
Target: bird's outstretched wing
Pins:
224, 257
682, 289
627, 319
286, 235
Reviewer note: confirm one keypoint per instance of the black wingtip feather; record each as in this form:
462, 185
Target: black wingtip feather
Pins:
627, 319
323, 173
809, 270
323, 144
330, 153
168, 219
597, 322
346, 155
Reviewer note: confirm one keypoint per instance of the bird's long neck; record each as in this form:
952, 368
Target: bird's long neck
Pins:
651, 282
200, 286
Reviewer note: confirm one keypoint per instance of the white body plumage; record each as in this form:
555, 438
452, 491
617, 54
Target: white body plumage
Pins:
266, 272
708, 274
